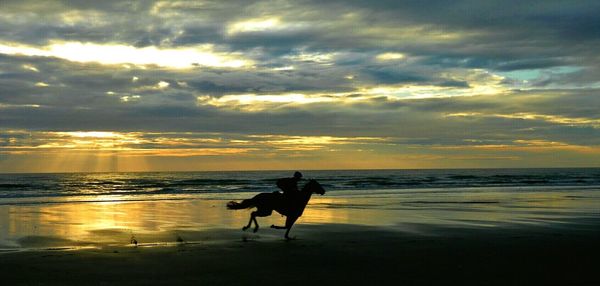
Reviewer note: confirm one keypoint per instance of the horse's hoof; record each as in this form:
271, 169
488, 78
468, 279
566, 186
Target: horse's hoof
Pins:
244, 228
255, 230
272, 226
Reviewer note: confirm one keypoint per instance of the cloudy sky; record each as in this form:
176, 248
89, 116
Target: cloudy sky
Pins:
230, 85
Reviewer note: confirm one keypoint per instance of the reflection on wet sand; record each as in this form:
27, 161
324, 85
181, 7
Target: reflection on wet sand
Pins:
112, 222
458, 208
164, 221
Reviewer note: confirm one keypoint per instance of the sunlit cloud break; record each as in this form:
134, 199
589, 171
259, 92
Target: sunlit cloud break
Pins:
255, 102
110, 54
184, 144
254, 25
571, 121
390, 56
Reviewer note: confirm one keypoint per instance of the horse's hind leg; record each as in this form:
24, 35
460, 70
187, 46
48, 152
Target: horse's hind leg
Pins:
252, 218
261, 213
255, 222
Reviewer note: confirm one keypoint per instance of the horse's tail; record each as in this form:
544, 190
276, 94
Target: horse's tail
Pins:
233, 205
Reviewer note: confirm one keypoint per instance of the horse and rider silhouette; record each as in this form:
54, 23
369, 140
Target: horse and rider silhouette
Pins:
290, 204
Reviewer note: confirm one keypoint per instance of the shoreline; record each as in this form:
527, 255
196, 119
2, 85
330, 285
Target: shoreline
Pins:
102, 222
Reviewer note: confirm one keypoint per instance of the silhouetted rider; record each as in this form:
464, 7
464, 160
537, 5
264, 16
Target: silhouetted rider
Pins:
289, 186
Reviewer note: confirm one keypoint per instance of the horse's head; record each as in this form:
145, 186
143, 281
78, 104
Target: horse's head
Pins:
314, 187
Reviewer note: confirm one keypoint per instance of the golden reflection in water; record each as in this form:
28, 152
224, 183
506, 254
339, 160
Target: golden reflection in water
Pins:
466, 209
115, 222
320, 211
110, 221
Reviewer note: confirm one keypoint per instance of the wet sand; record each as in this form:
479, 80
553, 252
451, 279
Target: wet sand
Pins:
331, 254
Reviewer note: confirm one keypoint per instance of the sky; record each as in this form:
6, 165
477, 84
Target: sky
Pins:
253, 85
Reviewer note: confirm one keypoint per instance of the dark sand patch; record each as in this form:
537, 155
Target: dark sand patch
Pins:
331, 255
39, 241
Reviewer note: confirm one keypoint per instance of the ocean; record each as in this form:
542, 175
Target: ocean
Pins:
83, 209
42, 188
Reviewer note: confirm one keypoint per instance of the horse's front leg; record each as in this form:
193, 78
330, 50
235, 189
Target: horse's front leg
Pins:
289, 222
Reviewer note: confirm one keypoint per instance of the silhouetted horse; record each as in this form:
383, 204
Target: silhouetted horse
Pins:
291, 206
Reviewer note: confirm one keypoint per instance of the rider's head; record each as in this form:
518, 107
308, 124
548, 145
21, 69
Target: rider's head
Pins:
298, 175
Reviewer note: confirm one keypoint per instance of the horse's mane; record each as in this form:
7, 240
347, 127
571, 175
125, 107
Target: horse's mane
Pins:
307, 185
312, 183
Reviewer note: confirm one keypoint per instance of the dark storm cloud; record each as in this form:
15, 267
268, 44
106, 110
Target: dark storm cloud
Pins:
495, 63
506, 36
388, 75
575, 20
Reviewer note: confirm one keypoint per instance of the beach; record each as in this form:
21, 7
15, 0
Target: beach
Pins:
305, 143
329, 255
469, 235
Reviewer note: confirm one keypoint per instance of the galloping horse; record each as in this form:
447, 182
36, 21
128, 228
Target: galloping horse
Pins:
291, 206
